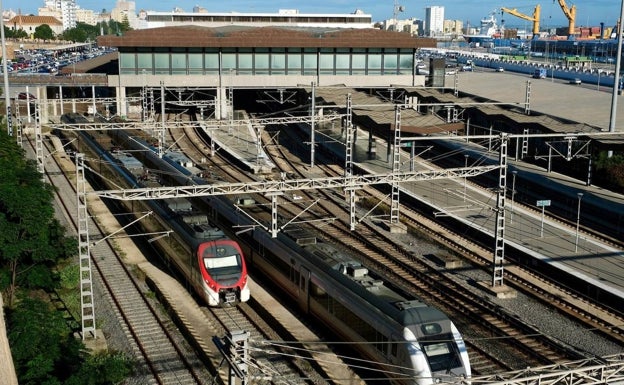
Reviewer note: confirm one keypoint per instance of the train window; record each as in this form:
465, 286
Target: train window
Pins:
294, 273
220, 262
431, 329
441, 355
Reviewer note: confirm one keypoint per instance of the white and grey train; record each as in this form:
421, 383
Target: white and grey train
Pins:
415, 343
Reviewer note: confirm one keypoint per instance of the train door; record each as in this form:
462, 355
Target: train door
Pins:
304, 282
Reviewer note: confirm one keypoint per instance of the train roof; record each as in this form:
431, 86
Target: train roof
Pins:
399, 306
128, 161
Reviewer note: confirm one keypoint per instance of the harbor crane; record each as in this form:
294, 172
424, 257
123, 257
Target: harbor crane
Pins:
535, 18
570, 14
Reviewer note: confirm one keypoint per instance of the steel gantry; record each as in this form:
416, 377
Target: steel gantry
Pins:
590, 371
84, 250
396, 166
499, 227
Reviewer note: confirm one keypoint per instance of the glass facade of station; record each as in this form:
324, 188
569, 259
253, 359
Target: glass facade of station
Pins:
267, 61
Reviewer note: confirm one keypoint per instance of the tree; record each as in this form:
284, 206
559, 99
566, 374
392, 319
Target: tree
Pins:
82, 32
44, 32
43, 349
31, 239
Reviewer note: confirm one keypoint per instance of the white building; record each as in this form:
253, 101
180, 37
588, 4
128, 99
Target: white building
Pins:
64, 10
412, 26
284, 17
434, 21
125, 10
86, 16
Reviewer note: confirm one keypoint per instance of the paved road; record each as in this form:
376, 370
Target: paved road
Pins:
583, 104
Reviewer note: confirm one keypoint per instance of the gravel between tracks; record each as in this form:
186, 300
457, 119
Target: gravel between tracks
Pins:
545, 318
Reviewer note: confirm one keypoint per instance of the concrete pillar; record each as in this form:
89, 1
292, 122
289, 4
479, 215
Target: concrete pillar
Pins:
122, 109
221, 110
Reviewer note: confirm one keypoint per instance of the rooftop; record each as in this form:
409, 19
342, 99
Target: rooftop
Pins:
238, 36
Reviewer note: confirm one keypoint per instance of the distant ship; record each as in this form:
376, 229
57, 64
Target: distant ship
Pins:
488, 30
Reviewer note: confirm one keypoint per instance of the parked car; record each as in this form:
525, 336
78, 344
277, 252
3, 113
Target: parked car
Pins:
575, 81
24, 96
500, 69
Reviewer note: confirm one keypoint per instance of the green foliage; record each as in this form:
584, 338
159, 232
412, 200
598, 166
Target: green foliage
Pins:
41, 344
102, 369
32, 243
31, 239
610, 170
44, 32
12, 34
81, 33
69, 276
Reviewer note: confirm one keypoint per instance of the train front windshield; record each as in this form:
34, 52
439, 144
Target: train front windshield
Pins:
222, 259
441, 353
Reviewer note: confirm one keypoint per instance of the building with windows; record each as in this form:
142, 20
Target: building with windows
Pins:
453, 28
30, 23
86, 16
270, 54
283, 18
63, 10
267, 57
434, 21
125, 10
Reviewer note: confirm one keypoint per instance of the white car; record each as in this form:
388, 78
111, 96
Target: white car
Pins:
575, 81
500, 69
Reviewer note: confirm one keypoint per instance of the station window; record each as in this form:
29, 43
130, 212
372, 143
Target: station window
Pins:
161, 63
211, 62
358, 62
310, 66
390, 62
246, 62
326, 61
195, 61
294, 61
178, 63
228, 60
144, 62
278, 61
374, 62
343, 61
260, 61
127, 63
406, 62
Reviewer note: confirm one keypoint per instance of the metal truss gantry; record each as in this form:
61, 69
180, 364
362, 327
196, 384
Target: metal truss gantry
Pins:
87, 304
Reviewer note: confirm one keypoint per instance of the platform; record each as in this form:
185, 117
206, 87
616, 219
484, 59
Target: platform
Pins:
241, 142
587, 258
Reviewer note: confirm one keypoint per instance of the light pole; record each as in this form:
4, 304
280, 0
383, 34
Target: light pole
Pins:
578, 221
513, 194
465, 166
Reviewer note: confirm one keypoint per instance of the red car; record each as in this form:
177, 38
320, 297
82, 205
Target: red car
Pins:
24, 96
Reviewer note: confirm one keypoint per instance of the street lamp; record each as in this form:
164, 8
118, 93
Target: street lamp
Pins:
465, 166
513, 194
578, 221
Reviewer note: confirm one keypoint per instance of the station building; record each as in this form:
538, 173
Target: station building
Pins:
264, 57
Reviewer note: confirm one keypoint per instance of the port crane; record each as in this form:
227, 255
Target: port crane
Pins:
535, 18
570, 14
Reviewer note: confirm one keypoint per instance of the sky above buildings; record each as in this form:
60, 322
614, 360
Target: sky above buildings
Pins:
588, 12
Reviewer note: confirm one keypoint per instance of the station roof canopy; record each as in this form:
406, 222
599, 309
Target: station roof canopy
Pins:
237, 36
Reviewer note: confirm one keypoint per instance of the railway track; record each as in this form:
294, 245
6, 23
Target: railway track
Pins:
501, 324
593, 315
161, 357
397, 265
282, 366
